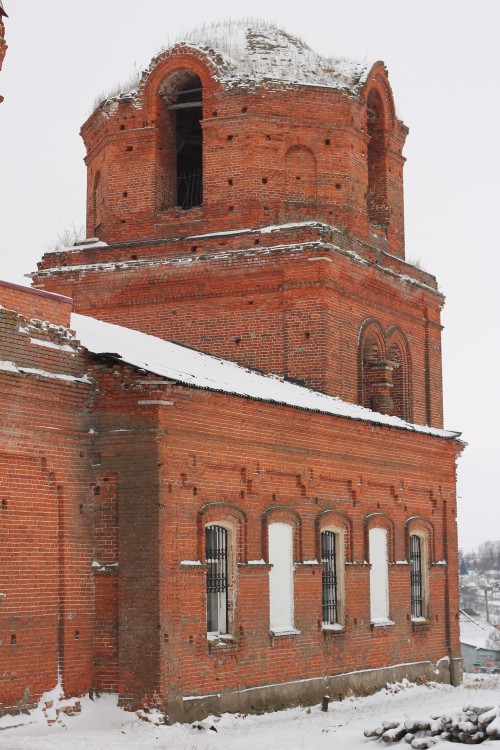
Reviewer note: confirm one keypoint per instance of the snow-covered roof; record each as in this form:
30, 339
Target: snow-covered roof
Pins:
200, 370
252, 51
474, 631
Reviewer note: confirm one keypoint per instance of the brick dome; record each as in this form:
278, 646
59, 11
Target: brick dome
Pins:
257, 51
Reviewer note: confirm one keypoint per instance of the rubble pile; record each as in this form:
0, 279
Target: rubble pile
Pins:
472, 725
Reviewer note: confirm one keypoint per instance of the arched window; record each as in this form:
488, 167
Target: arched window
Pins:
182, 141
300, 175
376, 196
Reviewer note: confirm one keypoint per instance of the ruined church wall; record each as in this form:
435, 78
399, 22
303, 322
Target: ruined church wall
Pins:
46, 616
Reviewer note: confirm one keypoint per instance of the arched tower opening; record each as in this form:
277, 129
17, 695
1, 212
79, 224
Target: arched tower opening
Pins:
376, 196
182, 140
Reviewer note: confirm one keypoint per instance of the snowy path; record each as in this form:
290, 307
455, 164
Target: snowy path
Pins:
102, 726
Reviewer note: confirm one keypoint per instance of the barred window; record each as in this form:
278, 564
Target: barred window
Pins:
330, 589
416, 576
216, 552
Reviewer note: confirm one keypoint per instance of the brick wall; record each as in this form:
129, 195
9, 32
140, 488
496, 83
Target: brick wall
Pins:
292, 308
203, 457
46, 618
34, 303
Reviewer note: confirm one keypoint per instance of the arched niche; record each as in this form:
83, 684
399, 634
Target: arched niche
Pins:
377, 130
399, 354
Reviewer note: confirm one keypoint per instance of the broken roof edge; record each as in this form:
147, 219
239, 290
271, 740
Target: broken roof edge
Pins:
196, 369
246, 53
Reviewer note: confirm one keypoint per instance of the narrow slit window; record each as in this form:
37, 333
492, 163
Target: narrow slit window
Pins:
216, 551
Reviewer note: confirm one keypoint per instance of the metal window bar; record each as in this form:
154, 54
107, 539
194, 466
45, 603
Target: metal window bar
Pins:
416, 576
184, 190
329, 578
217, 578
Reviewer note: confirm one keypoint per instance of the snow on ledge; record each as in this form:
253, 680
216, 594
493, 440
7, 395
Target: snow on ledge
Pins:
336, 627
199, 370
7, 366
88, 244
52, 345
278, 632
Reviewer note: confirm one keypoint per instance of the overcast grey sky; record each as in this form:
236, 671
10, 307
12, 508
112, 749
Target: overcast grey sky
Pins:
442, 57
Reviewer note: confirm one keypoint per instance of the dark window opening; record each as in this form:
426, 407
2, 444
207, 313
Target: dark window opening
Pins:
187, 106
216, 554
183, 180
329, 578
417, 608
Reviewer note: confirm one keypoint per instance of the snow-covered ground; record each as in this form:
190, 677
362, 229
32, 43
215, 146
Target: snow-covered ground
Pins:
102, 726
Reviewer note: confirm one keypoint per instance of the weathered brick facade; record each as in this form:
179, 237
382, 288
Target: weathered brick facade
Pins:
46, 528
257, 218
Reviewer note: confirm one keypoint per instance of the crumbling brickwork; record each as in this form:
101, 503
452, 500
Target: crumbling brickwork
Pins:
46, 617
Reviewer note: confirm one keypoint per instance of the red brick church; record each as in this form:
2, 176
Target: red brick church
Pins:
225, 482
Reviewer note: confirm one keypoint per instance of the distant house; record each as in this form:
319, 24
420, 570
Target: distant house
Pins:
475, 635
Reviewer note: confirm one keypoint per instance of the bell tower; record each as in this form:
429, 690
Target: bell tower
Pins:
247, 200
